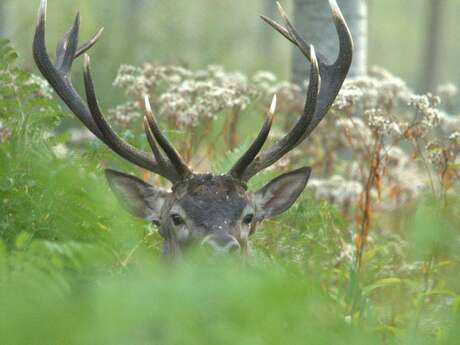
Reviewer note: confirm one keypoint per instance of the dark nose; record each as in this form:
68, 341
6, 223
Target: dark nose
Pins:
222, 243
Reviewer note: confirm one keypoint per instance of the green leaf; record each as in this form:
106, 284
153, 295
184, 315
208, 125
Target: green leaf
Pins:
23, 240
382, 283
456, 304
10, 57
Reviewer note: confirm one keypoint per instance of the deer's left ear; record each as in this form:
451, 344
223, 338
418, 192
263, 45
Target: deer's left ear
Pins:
280, 194
140, 198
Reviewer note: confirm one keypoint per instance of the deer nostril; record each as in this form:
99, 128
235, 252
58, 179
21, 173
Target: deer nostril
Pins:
233, 247
222, 245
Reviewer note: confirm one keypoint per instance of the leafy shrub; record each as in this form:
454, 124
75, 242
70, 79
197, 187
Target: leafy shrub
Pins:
44, 189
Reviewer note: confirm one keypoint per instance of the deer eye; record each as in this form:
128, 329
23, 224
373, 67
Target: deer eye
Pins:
177, 220
248, 219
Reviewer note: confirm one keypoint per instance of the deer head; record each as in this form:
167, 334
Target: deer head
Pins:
211, 210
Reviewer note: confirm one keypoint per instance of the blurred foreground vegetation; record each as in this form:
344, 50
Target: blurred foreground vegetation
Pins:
76, 269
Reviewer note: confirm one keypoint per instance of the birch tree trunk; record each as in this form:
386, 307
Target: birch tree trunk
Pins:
132, 13
2, 19
432, 48
266, 32
313, 20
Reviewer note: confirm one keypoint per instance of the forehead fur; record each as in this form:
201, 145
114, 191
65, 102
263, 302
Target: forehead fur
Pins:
212, 200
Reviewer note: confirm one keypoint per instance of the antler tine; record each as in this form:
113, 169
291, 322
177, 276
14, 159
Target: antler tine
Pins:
58, 80
174, 157
58, 75
240, 166
291, 140
153, 144
278, 27
325, 77
88, 45
67, 47
116, 143
333, 75
292, 36
67, 50
345, 39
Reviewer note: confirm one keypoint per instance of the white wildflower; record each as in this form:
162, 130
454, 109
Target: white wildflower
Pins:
264, 77
354, 132
44, 89
60, 151
125, 113
349, 95
80, 135
381, 123
448, 123
447, 91
337, 190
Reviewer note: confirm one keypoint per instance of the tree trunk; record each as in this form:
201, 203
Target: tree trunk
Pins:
132, 16
266, 32
432, 48
2, 19
314, 22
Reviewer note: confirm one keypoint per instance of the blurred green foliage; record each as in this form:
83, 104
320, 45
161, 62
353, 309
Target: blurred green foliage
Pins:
32, 175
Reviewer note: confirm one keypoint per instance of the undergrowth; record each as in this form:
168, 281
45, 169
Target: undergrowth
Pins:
76, 269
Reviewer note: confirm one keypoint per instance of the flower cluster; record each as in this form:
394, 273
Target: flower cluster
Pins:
352, 132
348, 96
448, 123
205, 94
140, 81
125, 113
426, 111
290, 96
380, 89
379, 138
80, 135
44, 90
447, 91
403, 180
337, 189
383, 137
180, 95
60, 151
380, 123
441, 153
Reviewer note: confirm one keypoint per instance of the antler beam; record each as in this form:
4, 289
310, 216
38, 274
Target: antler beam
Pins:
327, 77
59, 77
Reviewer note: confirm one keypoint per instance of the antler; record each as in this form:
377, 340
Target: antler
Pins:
58, 75
330, 77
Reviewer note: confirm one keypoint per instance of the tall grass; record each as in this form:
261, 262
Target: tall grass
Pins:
76, 269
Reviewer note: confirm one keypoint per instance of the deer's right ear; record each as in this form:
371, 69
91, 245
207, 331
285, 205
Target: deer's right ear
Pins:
280, 193
138, 197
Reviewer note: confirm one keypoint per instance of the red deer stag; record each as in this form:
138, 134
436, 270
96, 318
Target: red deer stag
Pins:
212, 210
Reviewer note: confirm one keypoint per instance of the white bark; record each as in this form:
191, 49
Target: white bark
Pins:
132, 13
432, 48
314, 22
266, 34
2, 19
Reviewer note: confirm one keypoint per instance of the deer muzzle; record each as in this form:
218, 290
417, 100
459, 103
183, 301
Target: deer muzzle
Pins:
221, 243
